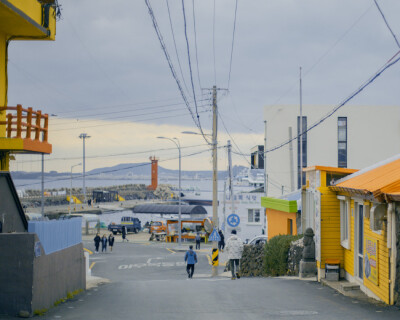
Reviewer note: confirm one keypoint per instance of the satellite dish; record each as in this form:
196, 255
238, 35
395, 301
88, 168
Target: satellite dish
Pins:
208, 225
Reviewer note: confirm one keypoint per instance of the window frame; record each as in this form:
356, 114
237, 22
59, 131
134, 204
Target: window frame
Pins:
252, 211
345, 225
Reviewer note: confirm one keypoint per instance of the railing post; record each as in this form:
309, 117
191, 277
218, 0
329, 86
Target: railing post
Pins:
29, 123
9, 125
46, 127
19, 120
38, 119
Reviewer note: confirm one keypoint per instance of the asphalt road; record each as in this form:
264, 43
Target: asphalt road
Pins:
150, 282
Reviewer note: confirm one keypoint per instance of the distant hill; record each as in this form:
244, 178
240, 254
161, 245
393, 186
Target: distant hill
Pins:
126, 170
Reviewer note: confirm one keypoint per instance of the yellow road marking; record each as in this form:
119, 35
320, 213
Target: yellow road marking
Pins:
170, 250
90, 252
92, 265
209, 260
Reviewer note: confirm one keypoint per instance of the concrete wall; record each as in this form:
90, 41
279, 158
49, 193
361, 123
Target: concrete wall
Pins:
30, 281
9, 214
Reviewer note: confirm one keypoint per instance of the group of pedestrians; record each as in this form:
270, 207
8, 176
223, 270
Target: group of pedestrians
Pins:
103, 241
234, 248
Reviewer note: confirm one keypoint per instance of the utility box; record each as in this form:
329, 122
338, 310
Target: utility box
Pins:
332, 270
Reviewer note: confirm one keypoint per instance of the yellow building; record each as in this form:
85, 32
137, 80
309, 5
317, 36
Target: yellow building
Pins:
281, 216
22, 129
353, 215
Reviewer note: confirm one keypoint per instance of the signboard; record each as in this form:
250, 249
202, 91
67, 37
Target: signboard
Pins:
371, 260
214, 236
233, 220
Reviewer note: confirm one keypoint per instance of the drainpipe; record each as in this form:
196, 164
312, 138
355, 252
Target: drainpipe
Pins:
393, 255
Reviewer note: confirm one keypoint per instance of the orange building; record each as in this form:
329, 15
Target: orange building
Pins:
281, 216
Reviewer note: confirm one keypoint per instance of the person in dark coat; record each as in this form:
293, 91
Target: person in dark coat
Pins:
191, 260
111, 241
104, 243
124, 234
97, 242
221, 243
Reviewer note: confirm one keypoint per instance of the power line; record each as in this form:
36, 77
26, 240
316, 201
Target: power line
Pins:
116, 170
126, 122
195, 43
387, 24
176, 50
233, 40
164, 48
114, 154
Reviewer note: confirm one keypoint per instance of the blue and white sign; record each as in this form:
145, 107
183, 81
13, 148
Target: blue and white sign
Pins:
214, 236
233, 220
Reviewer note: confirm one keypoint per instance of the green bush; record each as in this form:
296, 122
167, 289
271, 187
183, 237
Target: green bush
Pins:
276, 254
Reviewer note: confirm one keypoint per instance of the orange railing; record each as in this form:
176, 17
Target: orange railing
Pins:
32, 123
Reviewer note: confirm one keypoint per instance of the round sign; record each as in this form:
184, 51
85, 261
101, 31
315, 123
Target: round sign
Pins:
233, 220
208, 225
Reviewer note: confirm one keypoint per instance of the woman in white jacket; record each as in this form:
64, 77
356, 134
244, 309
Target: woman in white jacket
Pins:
234, 247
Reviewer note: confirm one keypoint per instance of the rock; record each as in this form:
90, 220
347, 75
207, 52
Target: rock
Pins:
294, 256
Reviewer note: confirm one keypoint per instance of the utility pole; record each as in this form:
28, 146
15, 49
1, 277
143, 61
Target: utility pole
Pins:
301, 134
265, 159
215, 172
231, 174
291, 160
224, 208
84, 136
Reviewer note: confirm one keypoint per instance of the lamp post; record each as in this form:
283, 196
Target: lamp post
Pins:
178, 145
70, 190
84, 136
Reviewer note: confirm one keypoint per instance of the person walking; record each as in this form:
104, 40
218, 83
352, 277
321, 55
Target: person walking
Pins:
104, 243
191, 260
234, 247
111, 241
221, 242
197, 238
124, 234
97, 242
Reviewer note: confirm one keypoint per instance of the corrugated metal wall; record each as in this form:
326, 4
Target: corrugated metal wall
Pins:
56, 235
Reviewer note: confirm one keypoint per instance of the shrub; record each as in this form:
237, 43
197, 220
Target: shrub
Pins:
276, 254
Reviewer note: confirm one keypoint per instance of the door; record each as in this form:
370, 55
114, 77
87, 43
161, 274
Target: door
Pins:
359, 241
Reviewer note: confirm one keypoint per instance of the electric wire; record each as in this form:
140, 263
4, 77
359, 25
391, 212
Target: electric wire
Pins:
164, 48
176, 49
195, 43
113, 154
233, 40
387, 24
119, 169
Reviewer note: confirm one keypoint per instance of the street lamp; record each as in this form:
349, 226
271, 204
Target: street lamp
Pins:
178, 145
84, 136
70, 190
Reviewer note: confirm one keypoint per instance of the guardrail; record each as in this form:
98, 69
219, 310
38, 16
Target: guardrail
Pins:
27, 121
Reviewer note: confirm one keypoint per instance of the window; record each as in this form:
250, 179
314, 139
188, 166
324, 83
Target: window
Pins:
303, 140
344, 222
253, 216
342, 142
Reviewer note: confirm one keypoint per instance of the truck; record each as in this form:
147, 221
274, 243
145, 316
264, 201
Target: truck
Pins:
157, 226
131, 224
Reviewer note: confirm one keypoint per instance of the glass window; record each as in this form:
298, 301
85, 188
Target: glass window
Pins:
342, 142
344, 223
250, 216
303, 140
253, 216
257, 215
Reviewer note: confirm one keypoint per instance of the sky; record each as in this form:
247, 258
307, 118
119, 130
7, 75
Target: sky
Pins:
106, 74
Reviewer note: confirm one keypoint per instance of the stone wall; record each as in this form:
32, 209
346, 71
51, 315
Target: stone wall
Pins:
31, 280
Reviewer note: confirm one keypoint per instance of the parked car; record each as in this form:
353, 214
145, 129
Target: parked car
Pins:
258, 240
131, 224
157, 226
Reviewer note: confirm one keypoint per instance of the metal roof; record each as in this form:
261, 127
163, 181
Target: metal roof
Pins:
168, 209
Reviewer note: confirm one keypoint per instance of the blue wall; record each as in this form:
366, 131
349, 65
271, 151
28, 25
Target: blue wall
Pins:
56, 235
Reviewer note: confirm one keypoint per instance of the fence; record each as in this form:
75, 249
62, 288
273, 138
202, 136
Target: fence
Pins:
56, 235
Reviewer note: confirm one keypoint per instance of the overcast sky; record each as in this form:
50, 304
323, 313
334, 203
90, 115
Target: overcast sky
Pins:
107, 75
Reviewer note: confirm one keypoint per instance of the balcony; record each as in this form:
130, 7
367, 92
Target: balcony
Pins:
24, 131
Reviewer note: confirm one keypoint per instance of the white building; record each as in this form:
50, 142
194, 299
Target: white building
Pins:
353, 137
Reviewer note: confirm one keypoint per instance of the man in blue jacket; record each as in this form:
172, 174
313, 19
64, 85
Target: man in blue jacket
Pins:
191, 259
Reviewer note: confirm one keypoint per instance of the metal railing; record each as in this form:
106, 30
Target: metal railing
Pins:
27, 121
